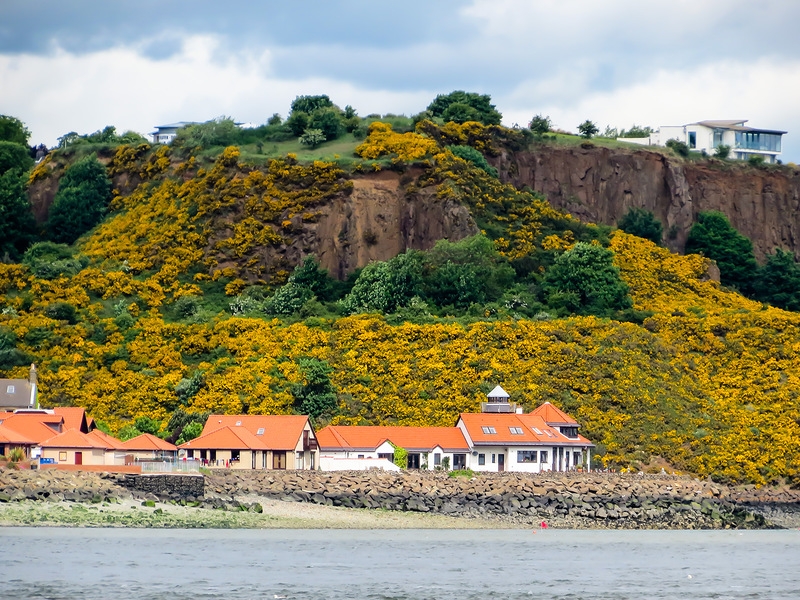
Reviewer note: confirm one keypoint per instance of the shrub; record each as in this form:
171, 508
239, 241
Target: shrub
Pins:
288, 299
722, 151
14, 157
641, 222
315, 396
62, 311
470, 154
587, 129
312, 138
83, 195
471, 107
540, 125
678, 147
328, 121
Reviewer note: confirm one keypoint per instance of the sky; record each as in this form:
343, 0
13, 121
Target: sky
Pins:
79, 65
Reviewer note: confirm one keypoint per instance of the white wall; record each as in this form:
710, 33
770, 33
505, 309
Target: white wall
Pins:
332, 463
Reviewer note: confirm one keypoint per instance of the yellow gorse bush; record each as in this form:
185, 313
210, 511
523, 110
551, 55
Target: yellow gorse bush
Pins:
382, 140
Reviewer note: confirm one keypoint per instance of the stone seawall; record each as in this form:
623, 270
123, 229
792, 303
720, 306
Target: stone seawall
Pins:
567, 500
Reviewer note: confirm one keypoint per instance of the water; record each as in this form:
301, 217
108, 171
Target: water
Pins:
389, 564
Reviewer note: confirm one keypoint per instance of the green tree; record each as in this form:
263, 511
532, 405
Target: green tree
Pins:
466, 272
587, 129
327, 120
636, 131
83, 195
298, 122
309, 274
540, 125
641, 222
486, 112
778, 281
315, 396
17, 225
48, 260
308, 104
13, 130
459, 112
312, 138
585, 280
190, 432
287, 299
221, 131
275, 119
385, 286
148, 425
474, 156
14, 157
713, 236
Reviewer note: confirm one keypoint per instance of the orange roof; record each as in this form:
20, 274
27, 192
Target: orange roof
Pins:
110, 441
147, 441
9, 436
357, 437
74, 417
553, 415
514, 429
72, 438
278, 432
228, 438
35, 426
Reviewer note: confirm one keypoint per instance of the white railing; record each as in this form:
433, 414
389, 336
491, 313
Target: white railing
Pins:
179, 466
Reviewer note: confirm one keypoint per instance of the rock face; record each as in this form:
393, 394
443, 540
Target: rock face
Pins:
378, 221
600, 185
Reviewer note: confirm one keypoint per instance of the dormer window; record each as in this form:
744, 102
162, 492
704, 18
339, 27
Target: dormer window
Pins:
515, 430
488, 429
570, 432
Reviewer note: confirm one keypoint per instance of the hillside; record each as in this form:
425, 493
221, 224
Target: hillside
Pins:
165, 309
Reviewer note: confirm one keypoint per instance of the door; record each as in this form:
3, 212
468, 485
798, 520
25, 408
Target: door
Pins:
79, 458
279, 460
501, 462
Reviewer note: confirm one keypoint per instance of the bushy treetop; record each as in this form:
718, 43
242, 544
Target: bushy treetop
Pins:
470, 107
13, 130
641, 222
308, 104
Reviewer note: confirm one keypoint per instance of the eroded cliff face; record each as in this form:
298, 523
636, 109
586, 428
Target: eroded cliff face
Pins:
378, 221
600, 185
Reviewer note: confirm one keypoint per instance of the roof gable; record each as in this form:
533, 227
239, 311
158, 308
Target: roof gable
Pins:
72, 438
35, 426
277, 432
514, 429
553, 415
74, 417
227, 438
147, 441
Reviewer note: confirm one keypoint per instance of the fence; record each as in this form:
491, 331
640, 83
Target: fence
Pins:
178, 466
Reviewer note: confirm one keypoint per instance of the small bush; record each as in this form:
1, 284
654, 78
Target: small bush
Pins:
62, 311
678, 147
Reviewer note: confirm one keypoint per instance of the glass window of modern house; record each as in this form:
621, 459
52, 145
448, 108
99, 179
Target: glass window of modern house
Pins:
692, 139
570, 432
526, 456
543, 456
493, 455
481, 459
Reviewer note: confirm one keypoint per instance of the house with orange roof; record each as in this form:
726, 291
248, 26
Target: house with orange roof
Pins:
502, 438
10, 439
364, 447
255, 442
74, 447
147, 447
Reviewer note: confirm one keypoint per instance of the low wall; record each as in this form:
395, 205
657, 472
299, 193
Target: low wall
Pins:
166, 485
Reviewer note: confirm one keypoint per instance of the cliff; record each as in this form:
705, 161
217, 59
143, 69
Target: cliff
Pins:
599, 185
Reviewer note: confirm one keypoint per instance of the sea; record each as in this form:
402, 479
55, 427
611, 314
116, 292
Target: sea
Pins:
143, 564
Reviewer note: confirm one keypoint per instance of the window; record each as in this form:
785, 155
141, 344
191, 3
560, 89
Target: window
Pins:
526, 456
260, 431
488, 429
235, 454
536, 430
298, 460
360, 456
459, 461
437, 459
543, 456
692, 139
547, 431
481, 459
515, 430
576, 458
62, 456
10, 389
238, 423
570, 432
493, 455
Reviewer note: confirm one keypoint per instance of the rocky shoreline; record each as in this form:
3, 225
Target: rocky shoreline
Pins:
578, 501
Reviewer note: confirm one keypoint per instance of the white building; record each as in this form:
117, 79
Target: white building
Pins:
164, 134
743, 141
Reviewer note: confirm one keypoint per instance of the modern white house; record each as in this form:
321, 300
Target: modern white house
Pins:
164, 134
743, 141
502, 438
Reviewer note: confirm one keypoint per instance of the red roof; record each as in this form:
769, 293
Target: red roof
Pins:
110, 441
37, 426
277, 432
336, 437
148, 441
74, 417
72, 438
553, 415
228, 438
9, 436
491, 429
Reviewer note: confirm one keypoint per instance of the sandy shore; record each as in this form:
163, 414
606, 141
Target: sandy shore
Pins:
276, 515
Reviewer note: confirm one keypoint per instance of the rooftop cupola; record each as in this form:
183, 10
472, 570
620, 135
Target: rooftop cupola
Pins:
497, 402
